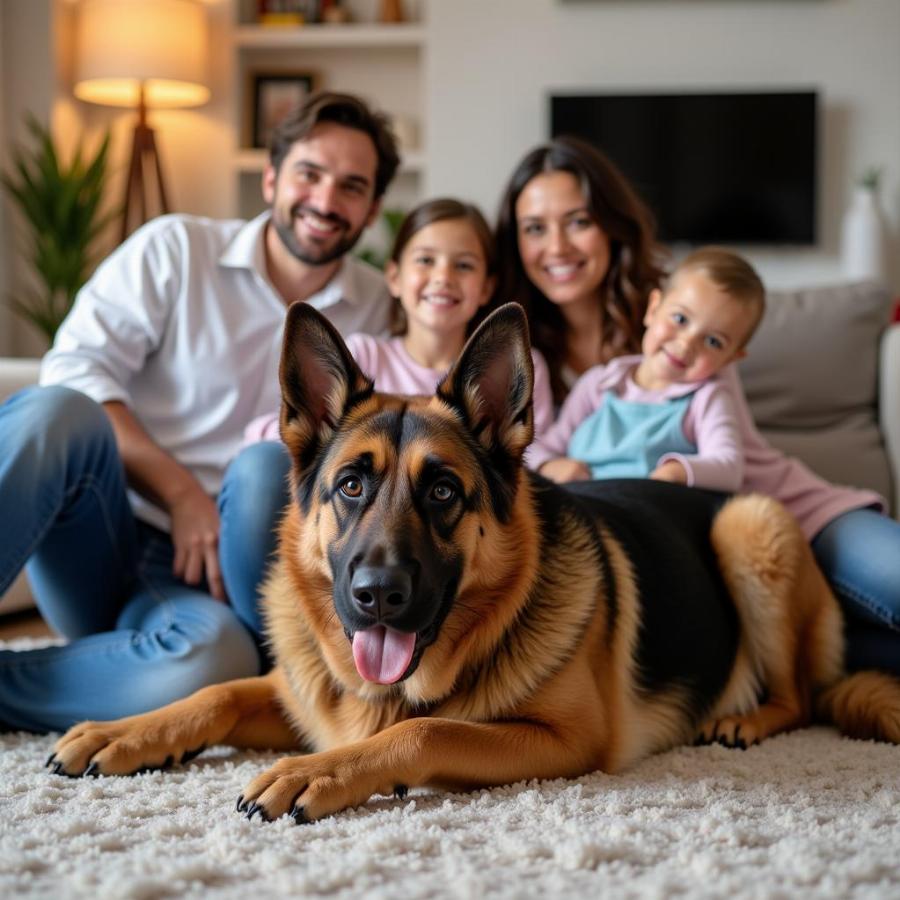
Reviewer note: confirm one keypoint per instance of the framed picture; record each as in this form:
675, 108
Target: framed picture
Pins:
273, 95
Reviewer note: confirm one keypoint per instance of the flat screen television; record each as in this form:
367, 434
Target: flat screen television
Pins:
713, 167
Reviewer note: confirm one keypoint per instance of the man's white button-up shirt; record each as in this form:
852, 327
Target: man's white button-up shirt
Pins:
182, 325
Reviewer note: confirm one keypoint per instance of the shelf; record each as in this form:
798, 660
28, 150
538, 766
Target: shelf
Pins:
251, 161
264, 37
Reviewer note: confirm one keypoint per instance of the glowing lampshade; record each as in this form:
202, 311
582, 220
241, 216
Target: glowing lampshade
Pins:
157, 45
144, 54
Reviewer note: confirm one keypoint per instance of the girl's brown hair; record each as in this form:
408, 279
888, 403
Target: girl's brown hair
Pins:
443, 209
633, 271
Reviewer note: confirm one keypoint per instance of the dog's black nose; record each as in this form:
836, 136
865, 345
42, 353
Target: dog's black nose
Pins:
382, 592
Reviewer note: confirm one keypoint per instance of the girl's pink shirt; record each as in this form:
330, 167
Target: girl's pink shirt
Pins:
394, 371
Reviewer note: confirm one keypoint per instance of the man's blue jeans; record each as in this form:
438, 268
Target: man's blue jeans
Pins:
138, 637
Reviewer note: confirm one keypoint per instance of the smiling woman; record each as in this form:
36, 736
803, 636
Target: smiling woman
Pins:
577, 249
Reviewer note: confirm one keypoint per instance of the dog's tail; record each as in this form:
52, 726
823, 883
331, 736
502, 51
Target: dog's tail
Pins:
864, 705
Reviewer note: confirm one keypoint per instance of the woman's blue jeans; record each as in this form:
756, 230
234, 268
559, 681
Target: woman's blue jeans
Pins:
138, 637
859, 552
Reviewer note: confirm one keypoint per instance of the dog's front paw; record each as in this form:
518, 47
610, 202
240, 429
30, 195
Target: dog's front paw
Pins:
310, 787
736, 732
121, 747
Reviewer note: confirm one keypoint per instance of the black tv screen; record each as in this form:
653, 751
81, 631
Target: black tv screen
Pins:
713, 167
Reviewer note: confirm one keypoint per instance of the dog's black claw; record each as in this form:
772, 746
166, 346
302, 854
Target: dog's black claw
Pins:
741, 744
400, 791
298, 814
168, 761
58, 769
92, 771
255, 808
50, 759
188, 755
241, 804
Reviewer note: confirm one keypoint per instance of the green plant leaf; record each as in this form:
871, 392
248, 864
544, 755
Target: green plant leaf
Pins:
61, 203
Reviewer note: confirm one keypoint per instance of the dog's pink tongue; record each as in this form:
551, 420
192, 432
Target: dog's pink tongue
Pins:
381, 654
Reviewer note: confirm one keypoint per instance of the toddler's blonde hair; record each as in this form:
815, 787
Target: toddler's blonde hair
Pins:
731, 273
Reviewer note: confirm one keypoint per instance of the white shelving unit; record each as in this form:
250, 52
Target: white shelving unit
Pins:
329, 36
382, 62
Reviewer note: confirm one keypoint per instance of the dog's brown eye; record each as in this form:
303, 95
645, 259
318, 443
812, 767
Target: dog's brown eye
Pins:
442, 492
351, 487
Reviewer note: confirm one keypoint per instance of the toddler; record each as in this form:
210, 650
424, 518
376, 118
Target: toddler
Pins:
668, 413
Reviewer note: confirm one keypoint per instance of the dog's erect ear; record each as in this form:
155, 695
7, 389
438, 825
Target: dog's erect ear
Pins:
319, 381
492, 381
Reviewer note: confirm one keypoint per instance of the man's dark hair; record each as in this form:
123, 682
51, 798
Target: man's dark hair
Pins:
342, 109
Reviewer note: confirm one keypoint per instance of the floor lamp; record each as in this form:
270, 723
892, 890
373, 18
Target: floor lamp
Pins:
144, 54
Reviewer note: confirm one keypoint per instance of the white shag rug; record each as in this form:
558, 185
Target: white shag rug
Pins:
807, 814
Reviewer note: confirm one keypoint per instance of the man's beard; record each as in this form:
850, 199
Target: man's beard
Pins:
315, 256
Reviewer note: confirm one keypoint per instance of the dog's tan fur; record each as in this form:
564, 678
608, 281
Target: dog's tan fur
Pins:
531, 674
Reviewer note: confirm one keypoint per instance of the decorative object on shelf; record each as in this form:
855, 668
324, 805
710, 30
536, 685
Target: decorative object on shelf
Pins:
333, 12
61, 203
862, 231
392, 11
406, 130
142, 54
285, 12
273, 96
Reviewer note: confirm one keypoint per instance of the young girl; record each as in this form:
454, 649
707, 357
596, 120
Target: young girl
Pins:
441, 271
666, 414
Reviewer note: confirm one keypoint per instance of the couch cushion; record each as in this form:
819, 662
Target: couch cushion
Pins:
811, 378
16, 373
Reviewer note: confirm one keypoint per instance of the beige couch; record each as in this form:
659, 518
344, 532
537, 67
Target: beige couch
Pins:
822, 378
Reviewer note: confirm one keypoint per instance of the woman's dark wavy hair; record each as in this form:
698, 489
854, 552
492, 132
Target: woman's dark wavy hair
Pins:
443, 209
635, 255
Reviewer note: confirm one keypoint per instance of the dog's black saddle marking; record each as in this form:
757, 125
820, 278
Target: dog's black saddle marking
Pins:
689, 624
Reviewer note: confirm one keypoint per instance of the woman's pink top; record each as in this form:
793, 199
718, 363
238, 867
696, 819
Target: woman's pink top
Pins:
813, 501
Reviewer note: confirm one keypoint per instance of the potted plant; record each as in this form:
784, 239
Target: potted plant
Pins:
863, 255
388, 226
61, 203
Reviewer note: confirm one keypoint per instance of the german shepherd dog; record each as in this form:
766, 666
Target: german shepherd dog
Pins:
440, 616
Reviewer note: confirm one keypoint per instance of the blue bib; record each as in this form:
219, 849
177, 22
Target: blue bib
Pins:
625, 438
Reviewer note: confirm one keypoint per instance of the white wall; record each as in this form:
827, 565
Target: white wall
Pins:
492, 63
